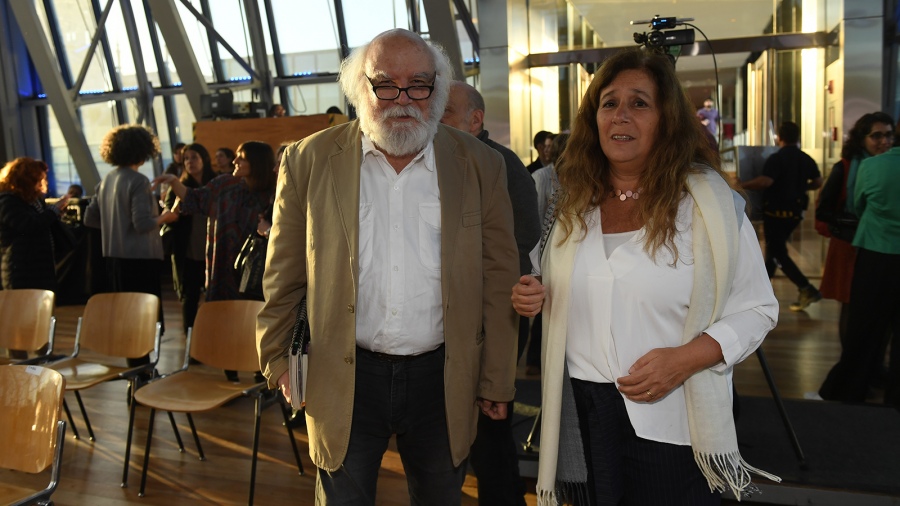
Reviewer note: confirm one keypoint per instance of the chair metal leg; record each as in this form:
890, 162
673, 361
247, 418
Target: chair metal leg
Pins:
175, 430
87, 421
528, 447
147, 453
196, 437
69, 416
255, 447
128, 443
784, 417
286, 414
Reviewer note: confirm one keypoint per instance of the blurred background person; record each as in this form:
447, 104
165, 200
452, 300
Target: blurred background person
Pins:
224, 162
189, 235
75, 191
277, 111
630, 267
177, 166
27, 257
875, 289
233, 204
871, 135
127, 214
709, 117
543, 155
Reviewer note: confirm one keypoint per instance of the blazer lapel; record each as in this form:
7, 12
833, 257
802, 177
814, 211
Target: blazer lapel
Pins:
344, 165
451, 172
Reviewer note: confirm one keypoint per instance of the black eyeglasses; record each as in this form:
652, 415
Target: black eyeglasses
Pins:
418, 92
880, 136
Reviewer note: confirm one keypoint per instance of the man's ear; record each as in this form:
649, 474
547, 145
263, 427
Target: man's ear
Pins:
476, 121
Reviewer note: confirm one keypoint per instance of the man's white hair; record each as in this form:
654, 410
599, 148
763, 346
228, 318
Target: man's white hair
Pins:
358, 90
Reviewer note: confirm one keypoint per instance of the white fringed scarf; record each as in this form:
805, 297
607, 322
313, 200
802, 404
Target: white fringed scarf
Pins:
562, 472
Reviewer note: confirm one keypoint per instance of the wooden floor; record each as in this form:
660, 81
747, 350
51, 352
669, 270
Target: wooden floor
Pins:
800, 351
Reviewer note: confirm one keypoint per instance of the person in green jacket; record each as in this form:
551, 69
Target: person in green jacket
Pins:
875, 291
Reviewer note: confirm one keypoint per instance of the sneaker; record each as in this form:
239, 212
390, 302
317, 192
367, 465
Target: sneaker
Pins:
807, 296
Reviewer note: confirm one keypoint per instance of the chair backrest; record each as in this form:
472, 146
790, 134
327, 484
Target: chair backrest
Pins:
224, 334
25, 318
29, 409
121, 324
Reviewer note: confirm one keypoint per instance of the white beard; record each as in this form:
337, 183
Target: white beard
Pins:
398, 140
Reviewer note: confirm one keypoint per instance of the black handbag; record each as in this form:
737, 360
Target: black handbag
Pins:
830, 211
250, 265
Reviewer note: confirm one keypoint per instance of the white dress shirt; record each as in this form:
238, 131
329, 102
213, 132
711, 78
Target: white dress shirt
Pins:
399, 310
623, 304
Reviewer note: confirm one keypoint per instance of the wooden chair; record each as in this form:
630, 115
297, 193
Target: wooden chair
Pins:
27, 323
223, 337
31, 433
115, 327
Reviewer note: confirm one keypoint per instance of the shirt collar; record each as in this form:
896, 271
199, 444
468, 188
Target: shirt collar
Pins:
425, 157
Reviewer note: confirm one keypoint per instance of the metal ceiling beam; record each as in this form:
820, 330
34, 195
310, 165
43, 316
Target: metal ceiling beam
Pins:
169, 22
442, 29
782, 41
47, 67
258, 46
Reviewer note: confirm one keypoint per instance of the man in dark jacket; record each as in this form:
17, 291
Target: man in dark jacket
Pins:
493, 455
787, 176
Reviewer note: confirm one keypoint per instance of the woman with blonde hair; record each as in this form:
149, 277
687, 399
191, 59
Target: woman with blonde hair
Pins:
652, 287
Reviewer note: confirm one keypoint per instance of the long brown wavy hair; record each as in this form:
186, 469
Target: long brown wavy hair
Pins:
584, 170
21, 176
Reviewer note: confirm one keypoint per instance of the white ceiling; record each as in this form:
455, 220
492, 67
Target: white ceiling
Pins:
718, 19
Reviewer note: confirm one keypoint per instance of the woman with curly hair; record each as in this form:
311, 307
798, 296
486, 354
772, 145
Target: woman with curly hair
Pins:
655, 288
126, 212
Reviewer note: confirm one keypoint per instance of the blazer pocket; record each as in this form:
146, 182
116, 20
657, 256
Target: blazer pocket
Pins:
471, 219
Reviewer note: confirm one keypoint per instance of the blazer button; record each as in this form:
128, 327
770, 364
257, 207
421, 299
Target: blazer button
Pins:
349, 360
350, 308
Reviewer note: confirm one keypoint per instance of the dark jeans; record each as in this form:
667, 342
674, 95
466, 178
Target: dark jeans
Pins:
777, 231
874, 316
137, 275
405, 398
495, 460
627, 470
191, 282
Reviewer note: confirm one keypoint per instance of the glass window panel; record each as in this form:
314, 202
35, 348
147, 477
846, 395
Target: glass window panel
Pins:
367, 18
60, 159
77, 26
309, 43
197, 39
314, 98
97, 120
229, 20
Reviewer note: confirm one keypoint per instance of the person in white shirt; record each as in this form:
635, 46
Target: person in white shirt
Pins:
398, 230
653, 287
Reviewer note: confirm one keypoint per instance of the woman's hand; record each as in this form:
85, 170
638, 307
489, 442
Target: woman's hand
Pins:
163, 179
528, 296
662, 370
167, 217
263, 227
62, 203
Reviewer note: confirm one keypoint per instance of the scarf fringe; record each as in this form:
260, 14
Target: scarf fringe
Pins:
729, 472
564, 493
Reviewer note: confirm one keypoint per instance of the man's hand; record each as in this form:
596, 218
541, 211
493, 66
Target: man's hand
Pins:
492, 410
528, 296
284, 384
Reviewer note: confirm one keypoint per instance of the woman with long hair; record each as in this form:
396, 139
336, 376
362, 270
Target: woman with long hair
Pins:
27, 257
871, 135
189, 244
653, 287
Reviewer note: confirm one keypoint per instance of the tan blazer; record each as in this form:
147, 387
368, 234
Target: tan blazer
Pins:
313, 251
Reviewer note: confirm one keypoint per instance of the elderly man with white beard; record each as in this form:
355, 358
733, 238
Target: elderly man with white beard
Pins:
399, 233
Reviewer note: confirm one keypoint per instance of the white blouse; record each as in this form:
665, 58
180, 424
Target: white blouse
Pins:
623, 304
